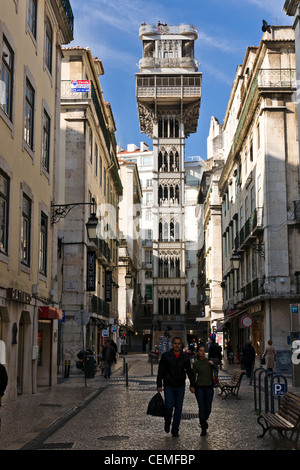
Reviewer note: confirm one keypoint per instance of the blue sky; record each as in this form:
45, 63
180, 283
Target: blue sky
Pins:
225, 30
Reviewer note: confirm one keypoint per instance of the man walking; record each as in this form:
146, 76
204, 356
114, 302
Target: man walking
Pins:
108, 355
173, 367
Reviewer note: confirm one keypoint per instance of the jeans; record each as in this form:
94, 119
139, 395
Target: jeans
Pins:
204, 397
173, 399
107, 369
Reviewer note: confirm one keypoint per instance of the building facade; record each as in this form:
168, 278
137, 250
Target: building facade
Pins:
144, 319
88, 181
31, 35
168, 92
130, 252
259, 187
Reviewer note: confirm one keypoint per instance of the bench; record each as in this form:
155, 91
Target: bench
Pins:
285, 421
232, 386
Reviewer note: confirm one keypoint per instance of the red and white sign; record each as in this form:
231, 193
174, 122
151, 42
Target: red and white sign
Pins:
247, 321
80, 86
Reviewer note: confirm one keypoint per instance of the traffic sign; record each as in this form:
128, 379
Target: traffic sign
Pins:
278, 389
247, 321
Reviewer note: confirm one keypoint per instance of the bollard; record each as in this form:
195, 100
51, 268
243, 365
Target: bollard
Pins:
124, 365
67, 369
126, 369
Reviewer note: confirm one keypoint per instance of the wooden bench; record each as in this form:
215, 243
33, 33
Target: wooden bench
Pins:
285, 421
232, 386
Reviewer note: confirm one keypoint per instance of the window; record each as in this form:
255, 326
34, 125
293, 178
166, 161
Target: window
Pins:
148, 183
96, 159
90, 145
31, 16
100, 170
6, 85
46, 142
48, 45
4, 206
26, 230
43, 244
29, 115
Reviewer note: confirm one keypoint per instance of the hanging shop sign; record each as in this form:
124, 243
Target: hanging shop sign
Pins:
108, 286
91, 271
247, 321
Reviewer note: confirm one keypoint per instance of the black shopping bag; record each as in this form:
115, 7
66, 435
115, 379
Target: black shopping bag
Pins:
156, 406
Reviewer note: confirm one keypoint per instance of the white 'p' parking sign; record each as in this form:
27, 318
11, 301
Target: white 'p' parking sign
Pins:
278, 389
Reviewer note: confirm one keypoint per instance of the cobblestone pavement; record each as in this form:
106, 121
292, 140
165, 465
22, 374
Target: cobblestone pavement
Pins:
101, 414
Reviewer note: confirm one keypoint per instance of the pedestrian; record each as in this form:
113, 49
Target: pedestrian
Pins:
108, 355
270, 355
204, 382
230, 353
215, 352
248, 358
3, 381
113, 345
173, 368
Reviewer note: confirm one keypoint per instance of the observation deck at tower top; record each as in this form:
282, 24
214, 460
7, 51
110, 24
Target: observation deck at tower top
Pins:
164, 29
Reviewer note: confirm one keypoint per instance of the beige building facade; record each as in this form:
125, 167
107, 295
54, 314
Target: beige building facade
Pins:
31, 35
259, 187
88, 172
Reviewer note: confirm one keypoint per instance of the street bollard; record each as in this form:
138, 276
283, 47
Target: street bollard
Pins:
67, 369
126, 369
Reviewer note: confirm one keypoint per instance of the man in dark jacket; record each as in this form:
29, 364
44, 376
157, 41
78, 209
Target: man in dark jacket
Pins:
248, 358
3, 380
108, 356
173, 367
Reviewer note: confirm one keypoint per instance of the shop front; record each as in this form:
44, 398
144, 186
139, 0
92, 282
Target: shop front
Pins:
47, 341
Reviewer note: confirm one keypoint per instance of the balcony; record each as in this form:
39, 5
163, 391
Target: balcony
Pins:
99, 306
173, 62
69, 13
297, 211
253, 289
154, 29
250, 230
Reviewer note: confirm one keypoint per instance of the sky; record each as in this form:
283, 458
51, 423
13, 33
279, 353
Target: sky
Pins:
225, 29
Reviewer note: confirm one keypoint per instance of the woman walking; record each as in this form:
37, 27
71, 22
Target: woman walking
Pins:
204, 391
270, 355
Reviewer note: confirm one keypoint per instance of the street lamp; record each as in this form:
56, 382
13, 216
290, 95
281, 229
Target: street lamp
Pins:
91, 227
235, 258
128, 279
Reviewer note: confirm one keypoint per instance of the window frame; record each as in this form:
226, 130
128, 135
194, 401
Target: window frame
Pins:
26, 231
43, 260
29, 105
4, 234
7, 108
48, 51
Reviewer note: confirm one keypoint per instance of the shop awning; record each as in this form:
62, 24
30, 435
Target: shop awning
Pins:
50, 313
229, 315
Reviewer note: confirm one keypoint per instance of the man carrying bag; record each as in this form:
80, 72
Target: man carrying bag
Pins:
173, 368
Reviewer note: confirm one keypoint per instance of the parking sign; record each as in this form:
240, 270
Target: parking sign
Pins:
278, 389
